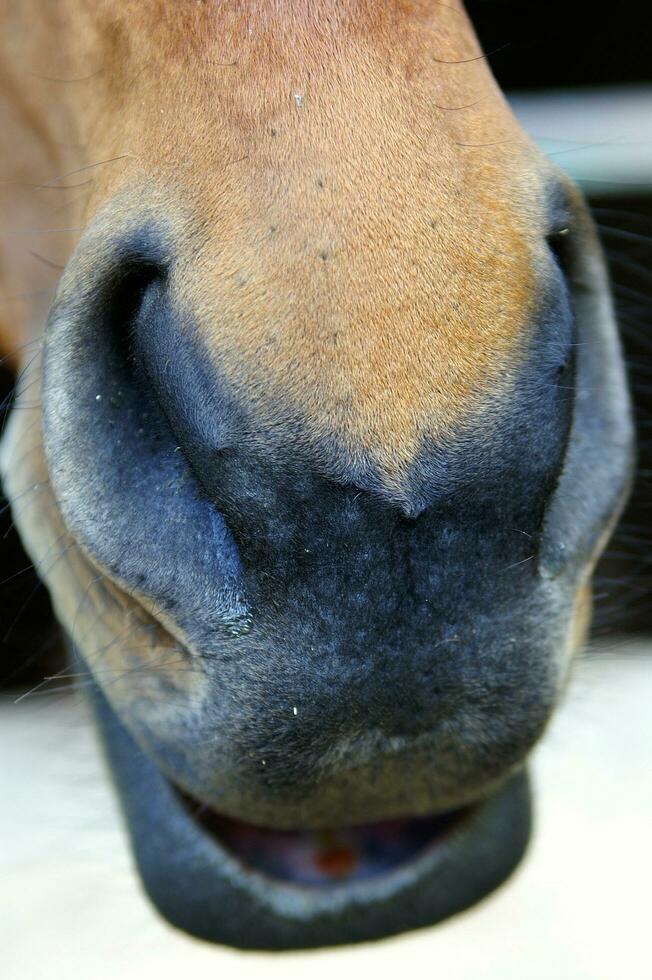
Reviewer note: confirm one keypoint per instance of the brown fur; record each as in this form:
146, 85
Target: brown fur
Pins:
382, 293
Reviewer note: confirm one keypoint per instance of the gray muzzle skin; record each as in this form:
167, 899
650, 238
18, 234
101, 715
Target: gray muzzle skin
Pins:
498, 701
200, 887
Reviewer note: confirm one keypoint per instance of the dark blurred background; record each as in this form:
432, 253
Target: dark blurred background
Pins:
551, 44
539, 46
571, 45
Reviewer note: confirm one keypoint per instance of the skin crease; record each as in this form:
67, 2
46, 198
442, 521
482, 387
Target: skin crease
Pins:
319, 167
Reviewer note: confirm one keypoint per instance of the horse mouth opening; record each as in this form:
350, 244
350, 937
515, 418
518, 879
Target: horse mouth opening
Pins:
326, 858
227, 881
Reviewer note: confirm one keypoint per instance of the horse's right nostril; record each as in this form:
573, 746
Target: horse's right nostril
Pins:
125, 493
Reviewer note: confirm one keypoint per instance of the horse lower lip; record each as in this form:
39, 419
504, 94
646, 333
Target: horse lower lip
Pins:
202, 887
331, 856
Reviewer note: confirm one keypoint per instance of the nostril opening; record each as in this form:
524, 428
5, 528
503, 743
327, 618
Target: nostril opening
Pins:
559, 243
561, 228
128, 289
135, 287
125, 296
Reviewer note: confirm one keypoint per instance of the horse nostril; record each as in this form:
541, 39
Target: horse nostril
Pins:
560, 244
126, 294
124, 492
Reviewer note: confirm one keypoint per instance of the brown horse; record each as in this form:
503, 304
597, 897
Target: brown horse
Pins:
317, 449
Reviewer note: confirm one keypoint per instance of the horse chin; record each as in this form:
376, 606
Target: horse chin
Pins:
241, 884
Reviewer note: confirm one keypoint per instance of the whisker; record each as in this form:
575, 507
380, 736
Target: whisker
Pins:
31, 595
479, 57
45, 261
67, 81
